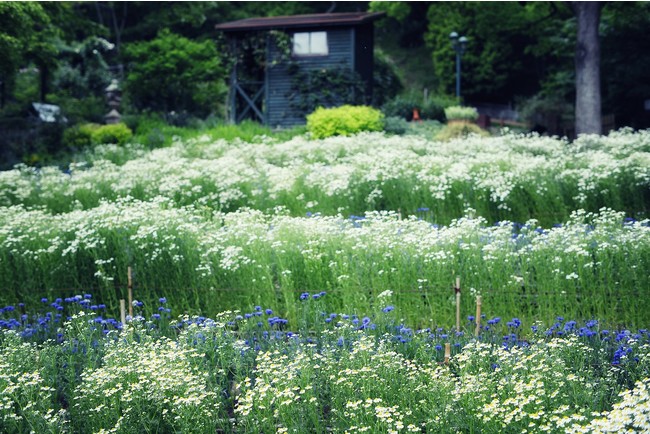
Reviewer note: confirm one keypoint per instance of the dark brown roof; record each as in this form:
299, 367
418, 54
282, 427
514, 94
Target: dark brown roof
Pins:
313, 20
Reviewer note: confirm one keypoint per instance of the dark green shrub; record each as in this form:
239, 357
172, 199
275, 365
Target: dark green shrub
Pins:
386, 83
395, 125
402, 106
114, 133
79, 136
344, 121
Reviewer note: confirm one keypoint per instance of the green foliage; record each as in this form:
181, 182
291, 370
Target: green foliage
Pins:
84, 70
79, 136
460, 113
331, 87
386, 81
397, 10
19, 35
506, 42
343, 121
395, 125
403, 105
115, 133
173, 73
458, 130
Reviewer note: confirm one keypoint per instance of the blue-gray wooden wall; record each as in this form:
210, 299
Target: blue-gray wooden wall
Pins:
341, 42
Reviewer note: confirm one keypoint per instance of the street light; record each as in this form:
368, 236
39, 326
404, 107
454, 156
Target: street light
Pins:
458, 44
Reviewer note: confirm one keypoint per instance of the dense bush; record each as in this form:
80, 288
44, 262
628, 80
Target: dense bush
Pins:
458, 113
395, 125
173, 73
402, 106
115, 133
344, 121
79, 136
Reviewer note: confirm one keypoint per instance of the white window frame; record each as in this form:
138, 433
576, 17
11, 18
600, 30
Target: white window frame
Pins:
316, 44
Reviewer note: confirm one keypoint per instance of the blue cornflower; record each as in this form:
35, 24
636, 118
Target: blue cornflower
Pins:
44, 300
471, 318
439, 347
88, 296
494, 320
570, 325
304, 296
315, 296
162, 300
258, 308
388, 309
514, 323
155, 316
268, 311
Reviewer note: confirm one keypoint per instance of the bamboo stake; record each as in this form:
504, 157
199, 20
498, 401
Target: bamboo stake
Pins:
478, 315
457, 288
130, 288
447, 352
122, 312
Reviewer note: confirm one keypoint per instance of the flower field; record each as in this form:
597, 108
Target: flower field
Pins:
308, 286
72, 368
503, 178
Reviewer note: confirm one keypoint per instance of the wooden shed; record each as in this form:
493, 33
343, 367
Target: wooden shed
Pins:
279, 86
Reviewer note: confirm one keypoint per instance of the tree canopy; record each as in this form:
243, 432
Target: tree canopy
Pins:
518, 53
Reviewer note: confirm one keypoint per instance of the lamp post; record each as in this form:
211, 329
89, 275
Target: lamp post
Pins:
458, 44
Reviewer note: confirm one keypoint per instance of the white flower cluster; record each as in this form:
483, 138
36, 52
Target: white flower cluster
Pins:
304, 172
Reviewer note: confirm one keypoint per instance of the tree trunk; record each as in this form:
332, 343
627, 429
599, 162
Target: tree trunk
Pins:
44, 72
587, 61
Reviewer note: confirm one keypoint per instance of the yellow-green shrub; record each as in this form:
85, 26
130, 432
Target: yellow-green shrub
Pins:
344, 121
114, 133
458, 113
456, 130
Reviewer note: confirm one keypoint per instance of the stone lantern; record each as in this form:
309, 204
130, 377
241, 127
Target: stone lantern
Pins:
114, 98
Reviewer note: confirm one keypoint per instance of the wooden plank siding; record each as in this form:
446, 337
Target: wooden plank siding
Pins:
279, 112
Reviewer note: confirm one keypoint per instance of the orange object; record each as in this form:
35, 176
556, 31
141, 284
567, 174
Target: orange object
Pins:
416, 114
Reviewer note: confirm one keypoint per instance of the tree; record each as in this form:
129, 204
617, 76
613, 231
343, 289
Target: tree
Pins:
587, 64
23, 37
506, 49
173, 73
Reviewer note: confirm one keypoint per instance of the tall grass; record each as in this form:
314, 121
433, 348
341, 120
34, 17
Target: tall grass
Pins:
594, 265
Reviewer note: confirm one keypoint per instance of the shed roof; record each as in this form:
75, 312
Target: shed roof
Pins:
312, 20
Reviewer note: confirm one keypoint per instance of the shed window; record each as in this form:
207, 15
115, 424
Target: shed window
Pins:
310, 44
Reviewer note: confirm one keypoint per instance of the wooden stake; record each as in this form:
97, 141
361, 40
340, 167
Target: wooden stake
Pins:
457, 288
130, 288
447, 352
478, 315
122, 312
